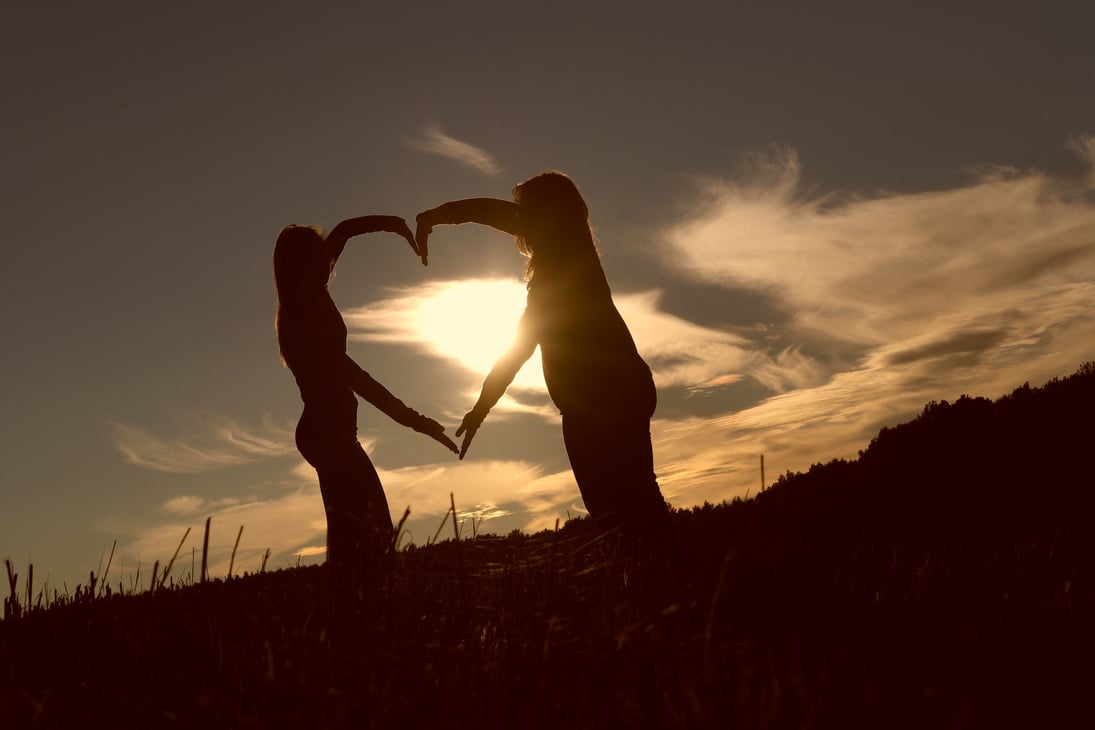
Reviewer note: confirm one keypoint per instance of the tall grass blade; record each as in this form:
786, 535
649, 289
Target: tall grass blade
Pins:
167, 570
455, 525
399, 530
11, 604
440, 527
232, 560
106, 575
205, 549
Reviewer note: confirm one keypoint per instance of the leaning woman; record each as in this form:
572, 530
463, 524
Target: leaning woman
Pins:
594, 374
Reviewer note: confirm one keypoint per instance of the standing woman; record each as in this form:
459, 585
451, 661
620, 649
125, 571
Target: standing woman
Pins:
594, 373
312, 339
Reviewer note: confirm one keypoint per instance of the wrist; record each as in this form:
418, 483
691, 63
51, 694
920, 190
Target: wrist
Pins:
425, 219
475, 417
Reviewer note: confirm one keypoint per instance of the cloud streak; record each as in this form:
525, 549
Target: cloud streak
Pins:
434, 141
207, 441
869, 271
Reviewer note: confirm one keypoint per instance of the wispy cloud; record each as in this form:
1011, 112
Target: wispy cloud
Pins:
184, 505
874, 271
1084, 147
967, 291
679, 352
434, 140
205, 441
189, 505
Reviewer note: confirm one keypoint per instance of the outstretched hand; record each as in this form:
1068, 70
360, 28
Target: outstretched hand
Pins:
421, 233
471, 423
436, 431
395, 224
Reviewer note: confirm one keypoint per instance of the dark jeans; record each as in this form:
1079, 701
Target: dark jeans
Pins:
359, 523
613, 463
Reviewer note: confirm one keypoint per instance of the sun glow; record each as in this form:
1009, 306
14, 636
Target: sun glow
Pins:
473, 321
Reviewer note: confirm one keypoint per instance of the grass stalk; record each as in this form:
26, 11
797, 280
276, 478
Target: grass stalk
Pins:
205, 549
167, 570
440, 527
455, 525
232, 560
11, 604
459, 558
399, 530
106, 575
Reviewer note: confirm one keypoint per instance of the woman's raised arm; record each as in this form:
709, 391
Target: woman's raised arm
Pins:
493, 212
347, 229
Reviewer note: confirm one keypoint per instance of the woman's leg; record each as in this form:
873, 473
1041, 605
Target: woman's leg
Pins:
613, 463
359, 524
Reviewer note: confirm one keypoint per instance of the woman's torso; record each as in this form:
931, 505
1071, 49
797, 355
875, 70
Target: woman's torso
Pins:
591, 365
312, 337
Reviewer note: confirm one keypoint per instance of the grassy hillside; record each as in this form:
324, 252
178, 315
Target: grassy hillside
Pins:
942, 579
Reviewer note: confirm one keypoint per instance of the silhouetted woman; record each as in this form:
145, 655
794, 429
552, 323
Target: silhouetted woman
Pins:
594, 374
312, 339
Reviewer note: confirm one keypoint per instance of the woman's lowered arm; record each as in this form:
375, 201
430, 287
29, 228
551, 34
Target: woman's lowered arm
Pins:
493, 212
501, 375
385, 401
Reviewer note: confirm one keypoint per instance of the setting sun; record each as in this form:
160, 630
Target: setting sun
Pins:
474, 321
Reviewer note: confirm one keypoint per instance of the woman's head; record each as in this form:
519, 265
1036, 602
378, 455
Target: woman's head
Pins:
301, 261
554, 219
551, 195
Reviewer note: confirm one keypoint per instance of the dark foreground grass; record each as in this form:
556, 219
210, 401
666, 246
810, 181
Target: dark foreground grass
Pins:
542, 632
942, 580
